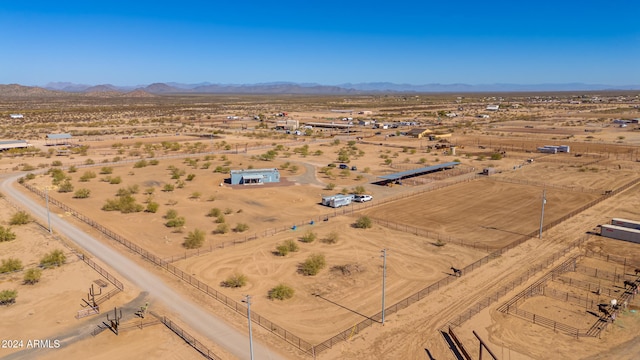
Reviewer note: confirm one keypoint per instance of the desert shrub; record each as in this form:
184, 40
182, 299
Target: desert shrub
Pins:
222, 228
20, 218
308, 237
171, 214
496, 156
106, 170
10, 265
89, 162
359, 190
235, 281
287, 247
363, 222
88, 175
214, 212
176, 222
52, 259
154, 162
82, 193
125, 204
115, 180
194, 239
65, 187
241, 227
152, 207
228, 211
56, 163
195, 195
313, 265
149, 191
220, 219
168, 188
190, 177
332, 238
6, 234
330, 186
140, 164
32, 276
58, 176
8, 297
72, 169
281, 292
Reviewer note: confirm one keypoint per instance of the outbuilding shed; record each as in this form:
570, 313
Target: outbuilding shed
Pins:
58, 139
397, 177
13, 144
254, 176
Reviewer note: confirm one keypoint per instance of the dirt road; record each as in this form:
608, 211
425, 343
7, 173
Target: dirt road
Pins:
204, 323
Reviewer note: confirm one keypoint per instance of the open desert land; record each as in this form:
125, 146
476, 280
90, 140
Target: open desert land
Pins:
176, 152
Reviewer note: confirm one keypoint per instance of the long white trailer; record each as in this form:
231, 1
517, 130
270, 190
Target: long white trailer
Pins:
631, 224
620, 233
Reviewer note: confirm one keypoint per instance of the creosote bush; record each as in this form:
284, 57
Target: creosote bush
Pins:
241, 227
309, 237
287, 247
313, 265
10, 265
32, 276
20, 218
8, 297
331, 238
235, 281
281, 292
52, 259
6, 234
363, 222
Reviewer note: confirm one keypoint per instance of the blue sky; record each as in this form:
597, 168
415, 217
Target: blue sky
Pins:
327, 42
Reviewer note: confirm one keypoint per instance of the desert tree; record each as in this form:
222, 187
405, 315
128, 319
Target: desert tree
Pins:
194, 239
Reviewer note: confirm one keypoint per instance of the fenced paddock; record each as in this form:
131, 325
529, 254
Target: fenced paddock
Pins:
572, 306
482, 213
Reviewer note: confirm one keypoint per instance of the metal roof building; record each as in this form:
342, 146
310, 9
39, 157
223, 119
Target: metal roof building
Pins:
13, 144
254, 176
420, 171
58, 139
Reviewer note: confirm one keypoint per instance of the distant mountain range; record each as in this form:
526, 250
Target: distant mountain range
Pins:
60, 88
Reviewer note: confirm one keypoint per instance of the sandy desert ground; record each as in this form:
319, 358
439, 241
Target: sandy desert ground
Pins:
494, 211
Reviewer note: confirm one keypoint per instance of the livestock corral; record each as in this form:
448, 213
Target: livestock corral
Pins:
458, 245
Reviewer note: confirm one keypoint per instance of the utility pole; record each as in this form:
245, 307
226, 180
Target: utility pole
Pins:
247, 299
384, 276
46, 192
544, 201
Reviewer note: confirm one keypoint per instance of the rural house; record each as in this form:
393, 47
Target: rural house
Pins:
254, 176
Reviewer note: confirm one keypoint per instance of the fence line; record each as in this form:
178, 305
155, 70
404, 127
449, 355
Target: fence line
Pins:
197, 345
344, 335
620, 260
191, 280
581, 189
112, 279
